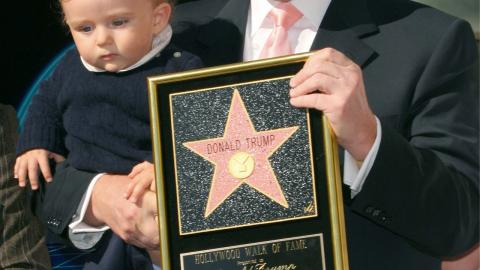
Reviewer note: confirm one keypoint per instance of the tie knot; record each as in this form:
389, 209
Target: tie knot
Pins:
285, 15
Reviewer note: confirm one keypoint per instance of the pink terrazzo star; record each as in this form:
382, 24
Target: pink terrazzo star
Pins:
241, 157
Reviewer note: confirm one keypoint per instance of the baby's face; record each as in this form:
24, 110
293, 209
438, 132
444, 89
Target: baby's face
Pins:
114, 34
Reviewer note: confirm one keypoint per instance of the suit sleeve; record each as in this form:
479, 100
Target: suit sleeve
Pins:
424, 183
56, 202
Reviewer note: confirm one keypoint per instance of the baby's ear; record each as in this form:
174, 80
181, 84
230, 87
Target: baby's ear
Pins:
161, 16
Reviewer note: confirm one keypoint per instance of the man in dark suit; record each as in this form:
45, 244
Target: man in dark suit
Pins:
401, 74
419, 70
22, 241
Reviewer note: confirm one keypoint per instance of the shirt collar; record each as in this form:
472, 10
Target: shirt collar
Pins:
159, 42
313, 11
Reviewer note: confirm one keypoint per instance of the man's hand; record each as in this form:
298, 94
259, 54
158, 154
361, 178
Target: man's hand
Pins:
148, 222
332, 83
126, 219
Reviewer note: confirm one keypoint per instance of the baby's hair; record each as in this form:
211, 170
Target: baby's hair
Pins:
58, 7
171, 2
58, 4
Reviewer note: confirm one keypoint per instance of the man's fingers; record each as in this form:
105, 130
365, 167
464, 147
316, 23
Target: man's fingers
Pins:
149, 222
150, 241
150, 202
133, 237
328, 61
314, 101
317, 82
143, 234
311, 70
136, 235
331, 55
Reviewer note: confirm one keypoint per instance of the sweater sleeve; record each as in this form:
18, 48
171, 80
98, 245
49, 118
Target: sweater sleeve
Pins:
43, 126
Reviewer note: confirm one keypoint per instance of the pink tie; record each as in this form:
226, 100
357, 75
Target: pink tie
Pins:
284, 16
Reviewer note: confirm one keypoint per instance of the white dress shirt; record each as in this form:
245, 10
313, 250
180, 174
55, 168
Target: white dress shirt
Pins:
301, 36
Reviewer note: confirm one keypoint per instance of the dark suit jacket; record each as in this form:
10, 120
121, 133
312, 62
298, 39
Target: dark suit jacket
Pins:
420, 66
22, 241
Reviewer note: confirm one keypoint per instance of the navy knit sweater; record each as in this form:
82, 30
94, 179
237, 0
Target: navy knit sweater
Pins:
99, 120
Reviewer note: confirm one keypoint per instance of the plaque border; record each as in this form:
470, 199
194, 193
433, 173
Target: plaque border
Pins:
334, 183
233, 85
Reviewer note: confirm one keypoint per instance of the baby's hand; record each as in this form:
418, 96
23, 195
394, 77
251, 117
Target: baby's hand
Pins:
27, 165
143, 179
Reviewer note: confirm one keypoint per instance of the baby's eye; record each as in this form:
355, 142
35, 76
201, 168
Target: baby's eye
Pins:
85, 28
119, 22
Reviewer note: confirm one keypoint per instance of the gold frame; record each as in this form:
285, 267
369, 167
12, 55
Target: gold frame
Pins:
334, 184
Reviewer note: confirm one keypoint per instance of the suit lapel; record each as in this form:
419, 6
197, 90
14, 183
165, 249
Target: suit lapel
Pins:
345, 24
224, 35
232, 12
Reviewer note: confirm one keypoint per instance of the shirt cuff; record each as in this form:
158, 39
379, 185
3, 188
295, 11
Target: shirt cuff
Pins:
78, 225
353, 176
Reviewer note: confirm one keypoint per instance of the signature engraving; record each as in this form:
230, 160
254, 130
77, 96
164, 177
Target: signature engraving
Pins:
310, 208
265, 266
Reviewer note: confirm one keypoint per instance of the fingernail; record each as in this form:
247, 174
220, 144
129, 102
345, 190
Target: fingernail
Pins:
292, 101
49, 179
292, 83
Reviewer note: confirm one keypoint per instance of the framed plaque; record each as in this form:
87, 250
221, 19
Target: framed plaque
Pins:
244, 180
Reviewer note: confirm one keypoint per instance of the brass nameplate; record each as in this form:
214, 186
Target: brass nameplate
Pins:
303, 252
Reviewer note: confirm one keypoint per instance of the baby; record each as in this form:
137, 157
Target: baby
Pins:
93, 109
